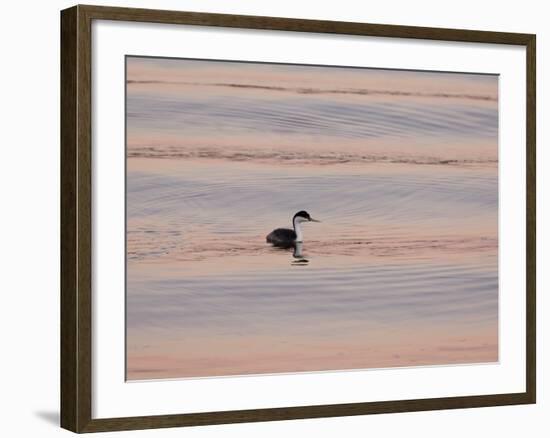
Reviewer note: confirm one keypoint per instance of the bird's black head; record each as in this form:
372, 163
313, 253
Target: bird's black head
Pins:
303, 214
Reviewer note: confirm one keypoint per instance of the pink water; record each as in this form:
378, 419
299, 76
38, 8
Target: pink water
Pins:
402, 169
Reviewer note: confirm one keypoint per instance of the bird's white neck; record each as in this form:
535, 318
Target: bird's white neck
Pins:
298, 230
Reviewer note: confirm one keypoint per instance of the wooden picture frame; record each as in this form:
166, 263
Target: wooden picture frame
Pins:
76, 218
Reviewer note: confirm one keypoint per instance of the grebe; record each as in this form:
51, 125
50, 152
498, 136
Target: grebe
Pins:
285, 237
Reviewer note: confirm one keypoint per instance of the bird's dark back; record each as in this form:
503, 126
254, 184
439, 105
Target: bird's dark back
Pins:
282, 237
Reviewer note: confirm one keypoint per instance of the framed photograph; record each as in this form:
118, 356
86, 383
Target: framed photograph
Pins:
269, 218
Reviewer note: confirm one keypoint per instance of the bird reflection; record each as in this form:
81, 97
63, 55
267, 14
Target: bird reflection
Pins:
299, 259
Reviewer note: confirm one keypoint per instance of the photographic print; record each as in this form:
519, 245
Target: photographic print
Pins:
303, 218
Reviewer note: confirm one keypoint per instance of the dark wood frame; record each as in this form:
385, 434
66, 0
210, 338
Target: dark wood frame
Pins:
76, 243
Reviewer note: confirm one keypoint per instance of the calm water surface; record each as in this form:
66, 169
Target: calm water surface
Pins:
403, 269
